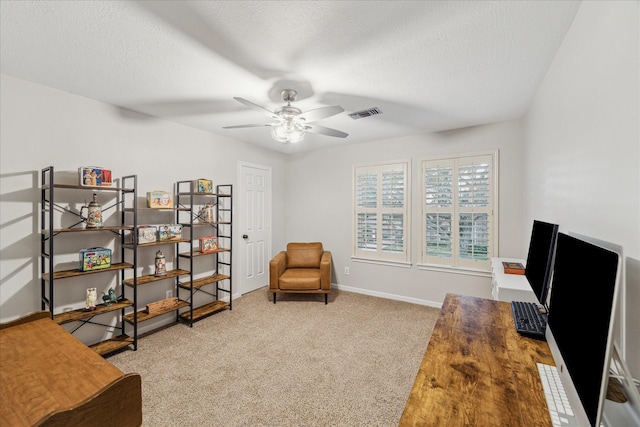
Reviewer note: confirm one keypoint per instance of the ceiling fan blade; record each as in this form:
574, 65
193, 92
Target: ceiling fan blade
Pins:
255, 107
325, 131
255, 125
320, 113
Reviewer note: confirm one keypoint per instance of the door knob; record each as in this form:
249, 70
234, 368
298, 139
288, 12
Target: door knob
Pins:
244, 236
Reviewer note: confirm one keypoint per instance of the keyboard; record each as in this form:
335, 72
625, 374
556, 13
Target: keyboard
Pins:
528, 319
557, 402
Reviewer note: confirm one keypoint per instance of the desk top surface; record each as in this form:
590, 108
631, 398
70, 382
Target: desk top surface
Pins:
44, 368
478, 371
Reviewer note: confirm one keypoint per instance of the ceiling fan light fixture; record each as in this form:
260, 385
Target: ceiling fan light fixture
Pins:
291, 123
287, 132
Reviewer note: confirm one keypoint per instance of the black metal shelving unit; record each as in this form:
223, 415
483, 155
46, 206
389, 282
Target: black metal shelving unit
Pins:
51, 211
137, 282
216, 282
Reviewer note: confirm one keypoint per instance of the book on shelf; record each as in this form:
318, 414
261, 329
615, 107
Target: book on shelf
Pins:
513, 267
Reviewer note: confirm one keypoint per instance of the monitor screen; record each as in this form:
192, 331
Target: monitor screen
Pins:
580, 324
540, 258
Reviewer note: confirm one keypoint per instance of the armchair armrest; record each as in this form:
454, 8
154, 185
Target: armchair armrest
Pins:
325, 270
277, 266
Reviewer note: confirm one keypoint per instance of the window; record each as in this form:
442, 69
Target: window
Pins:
381, 212
458, 205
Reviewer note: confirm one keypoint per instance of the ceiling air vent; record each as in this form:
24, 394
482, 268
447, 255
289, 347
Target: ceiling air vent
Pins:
365, 113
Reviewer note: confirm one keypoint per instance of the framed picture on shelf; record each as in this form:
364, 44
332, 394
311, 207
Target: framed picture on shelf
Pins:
204, 186
208, 244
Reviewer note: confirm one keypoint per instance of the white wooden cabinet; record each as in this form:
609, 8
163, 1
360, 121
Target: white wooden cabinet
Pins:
509, 287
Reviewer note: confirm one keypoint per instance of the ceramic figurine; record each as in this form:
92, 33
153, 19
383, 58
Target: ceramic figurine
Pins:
206, 213
92, 297
94, 213
110, 297
161, 266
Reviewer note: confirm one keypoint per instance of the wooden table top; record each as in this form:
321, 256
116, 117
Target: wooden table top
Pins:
478, 371
44, 368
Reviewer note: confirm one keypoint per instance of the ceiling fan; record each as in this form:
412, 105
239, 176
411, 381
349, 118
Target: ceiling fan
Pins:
290, 123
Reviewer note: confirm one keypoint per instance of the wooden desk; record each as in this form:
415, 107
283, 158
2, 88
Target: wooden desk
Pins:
478, 371
48, 377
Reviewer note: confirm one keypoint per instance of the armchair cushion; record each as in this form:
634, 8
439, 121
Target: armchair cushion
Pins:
304, 255
300, 278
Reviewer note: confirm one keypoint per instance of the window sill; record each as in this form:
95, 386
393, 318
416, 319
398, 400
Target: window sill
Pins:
456, 270
401, 264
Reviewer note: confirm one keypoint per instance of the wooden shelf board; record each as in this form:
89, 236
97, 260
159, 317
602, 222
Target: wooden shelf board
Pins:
86, 187
205, 310
64, 274
143, 315
112, 344
82, 314
198, 283
156, 243
195, 193
188, 224
147, 208
198, 253
103, 228
150, 278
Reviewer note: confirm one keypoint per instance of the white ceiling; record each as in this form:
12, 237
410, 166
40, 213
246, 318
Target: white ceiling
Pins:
427, 65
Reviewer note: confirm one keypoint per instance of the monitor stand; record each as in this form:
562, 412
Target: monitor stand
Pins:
622, 413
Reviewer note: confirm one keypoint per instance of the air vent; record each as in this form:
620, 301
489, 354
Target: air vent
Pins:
365, 113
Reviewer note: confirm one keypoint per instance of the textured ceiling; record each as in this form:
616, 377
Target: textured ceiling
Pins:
427, 65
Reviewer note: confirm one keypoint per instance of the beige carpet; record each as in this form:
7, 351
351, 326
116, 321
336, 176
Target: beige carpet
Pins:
296, 363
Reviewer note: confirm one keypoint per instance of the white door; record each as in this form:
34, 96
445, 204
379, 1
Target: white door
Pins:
255, 226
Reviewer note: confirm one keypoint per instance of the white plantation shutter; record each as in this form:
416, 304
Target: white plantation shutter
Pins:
366, 208
381, 211
438, 212
458, 211
474, 208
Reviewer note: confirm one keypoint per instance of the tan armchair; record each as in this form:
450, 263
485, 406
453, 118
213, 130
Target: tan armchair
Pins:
302, 268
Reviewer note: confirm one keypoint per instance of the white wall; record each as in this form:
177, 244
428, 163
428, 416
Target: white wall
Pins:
43, 126
320, 208
582, 130
582, 156
46, 127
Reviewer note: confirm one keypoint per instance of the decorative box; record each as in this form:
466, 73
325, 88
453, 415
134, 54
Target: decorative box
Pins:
203, 186
513, 268
94, 176
170, 232
94, 259
159, 200
147, 233
208, 244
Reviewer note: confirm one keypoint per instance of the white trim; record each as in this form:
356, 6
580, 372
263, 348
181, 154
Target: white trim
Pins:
403, 264
461, 265
455, 270
238, 212
388, 296
378, 168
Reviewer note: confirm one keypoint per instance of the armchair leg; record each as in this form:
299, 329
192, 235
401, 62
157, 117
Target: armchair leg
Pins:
326, 298
274, 297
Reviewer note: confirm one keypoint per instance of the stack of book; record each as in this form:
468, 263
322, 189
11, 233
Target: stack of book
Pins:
513, 267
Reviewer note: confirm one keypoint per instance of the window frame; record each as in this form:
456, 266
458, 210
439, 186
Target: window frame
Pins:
379, 255
456, 262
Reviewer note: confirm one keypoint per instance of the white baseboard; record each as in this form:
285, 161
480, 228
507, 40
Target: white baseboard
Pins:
389, 296
376, 294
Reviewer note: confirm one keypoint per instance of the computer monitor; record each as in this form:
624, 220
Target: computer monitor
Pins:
540, 258
579, 332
